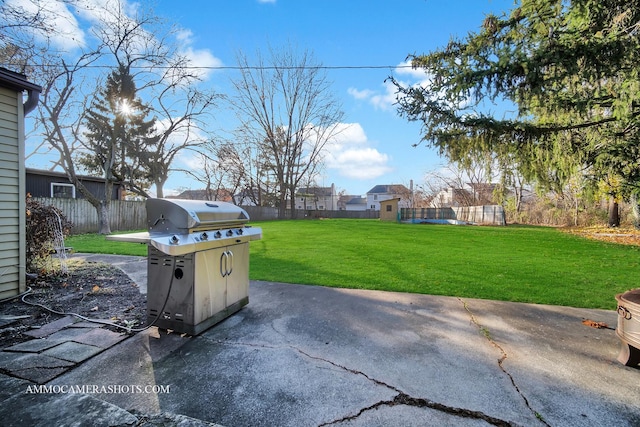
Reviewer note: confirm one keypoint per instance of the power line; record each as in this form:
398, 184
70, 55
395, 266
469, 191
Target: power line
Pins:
238, 67
318, 67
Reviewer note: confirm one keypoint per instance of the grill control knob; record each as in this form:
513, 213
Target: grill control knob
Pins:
204, 236
240, 231
174, 240
217, 235
230, 233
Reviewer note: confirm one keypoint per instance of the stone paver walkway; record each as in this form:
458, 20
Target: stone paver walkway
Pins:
56, 348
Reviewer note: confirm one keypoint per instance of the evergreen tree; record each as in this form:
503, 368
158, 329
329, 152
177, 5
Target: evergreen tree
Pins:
119, 139
570, 70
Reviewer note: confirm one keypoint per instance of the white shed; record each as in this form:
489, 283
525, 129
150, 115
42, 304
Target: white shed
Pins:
13, 108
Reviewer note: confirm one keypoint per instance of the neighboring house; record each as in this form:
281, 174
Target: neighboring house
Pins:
13, 109
247, 197
343, 199
317, 198
450, 197
474, 194
41, 183
380, 193
356, 203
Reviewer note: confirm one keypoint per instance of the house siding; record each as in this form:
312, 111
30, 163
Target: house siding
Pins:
381, 193
12, 220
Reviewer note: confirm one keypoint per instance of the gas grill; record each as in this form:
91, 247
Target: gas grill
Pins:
197, 263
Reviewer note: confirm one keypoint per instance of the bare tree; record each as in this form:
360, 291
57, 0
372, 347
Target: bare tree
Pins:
142, 44
23, 28
460, 184
163, 77
222, 170
288, 113
182, 132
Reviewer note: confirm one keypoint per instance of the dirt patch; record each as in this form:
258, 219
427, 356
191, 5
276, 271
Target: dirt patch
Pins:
93, 290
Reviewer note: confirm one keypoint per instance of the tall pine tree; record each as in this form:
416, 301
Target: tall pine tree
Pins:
119, 138
570, 70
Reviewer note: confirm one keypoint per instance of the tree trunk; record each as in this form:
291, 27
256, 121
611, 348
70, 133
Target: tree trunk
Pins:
292, 212
635, 209
282, 204
103, 217
614, 213
160, 189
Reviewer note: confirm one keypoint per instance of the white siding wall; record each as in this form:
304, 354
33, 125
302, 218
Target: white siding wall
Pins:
374, 199
12, 218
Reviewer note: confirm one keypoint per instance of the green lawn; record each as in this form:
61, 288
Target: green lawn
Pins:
514, 263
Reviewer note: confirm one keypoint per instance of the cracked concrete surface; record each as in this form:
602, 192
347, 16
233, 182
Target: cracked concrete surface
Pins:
503, 356
312, 356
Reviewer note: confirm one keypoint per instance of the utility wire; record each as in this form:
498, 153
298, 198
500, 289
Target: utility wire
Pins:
250, 67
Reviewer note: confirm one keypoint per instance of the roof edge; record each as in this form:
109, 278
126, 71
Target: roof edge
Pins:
17, 81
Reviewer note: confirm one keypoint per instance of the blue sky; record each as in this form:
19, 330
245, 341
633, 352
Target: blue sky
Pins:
377, 148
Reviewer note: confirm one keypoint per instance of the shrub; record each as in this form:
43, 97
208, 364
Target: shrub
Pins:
43, 227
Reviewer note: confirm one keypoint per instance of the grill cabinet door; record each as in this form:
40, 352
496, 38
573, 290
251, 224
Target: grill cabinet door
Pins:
238, 278
221, 279
210, 286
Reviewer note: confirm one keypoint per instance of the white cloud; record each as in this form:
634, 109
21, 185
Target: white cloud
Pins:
68, 35
351, 155
360, 94
348, 133
404, 68
385, 97
185, 36
75, 22
190, 161
202, 59
362, 164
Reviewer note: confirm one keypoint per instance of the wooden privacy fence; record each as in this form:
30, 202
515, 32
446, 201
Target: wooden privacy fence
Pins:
264, 213
486, 215
127, 215
123, 214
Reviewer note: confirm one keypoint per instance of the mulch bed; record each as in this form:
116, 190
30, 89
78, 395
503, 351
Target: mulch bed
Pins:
93, 290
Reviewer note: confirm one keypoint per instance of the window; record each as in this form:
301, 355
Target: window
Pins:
389, 208
375, 197
63, 191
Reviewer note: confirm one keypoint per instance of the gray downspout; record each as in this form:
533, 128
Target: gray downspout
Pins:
32, 101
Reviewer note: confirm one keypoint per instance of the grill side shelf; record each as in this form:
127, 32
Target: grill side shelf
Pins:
142, 237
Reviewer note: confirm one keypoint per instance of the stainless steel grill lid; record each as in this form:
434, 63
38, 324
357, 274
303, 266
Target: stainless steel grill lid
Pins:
178, 227
184, 216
